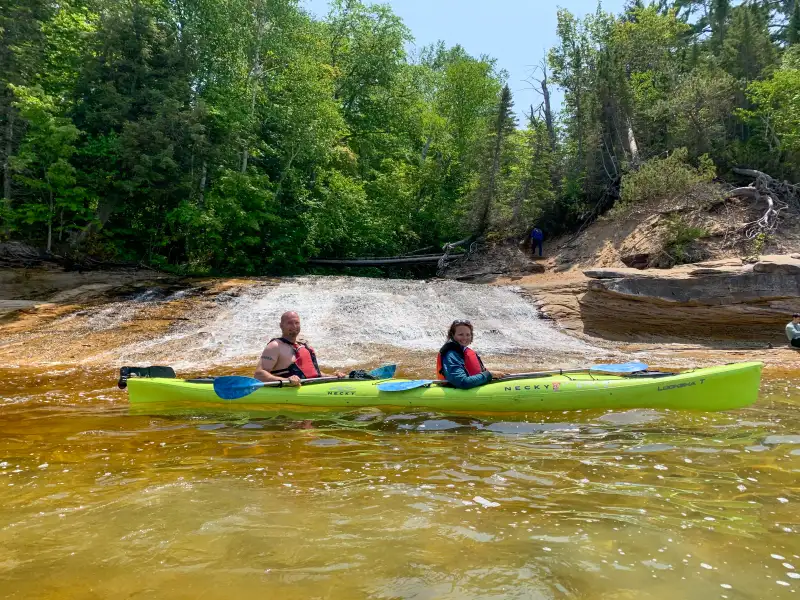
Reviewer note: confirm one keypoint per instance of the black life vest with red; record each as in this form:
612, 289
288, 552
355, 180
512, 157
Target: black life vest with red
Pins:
305, 361
472, 362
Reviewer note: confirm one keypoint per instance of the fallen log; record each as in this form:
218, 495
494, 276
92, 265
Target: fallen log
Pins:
407, 259
375, 262
752, 173
743, 192
452, 245
421, 251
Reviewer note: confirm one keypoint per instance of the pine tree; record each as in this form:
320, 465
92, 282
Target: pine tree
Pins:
793, 29
720, 11
503, 125
748, 48
631, 8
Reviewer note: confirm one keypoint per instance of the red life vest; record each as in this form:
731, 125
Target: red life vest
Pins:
472, 362
305, 361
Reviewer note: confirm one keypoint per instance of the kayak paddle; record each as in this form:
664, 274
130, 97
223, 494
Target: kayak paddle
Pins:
618, 369
233, 387
402, 386
384, 372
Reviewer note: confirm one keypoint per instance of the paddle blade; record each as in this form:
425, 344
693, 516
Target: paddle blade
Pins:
234, 387
620, 369
384, 372
402, 386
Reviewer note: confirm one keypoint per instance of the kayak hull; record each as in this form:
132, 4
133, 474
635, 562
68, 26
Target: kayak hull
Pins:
709, 389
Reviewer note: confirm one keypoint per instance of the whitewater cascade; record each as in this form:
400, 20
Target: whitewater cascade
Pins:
351, 320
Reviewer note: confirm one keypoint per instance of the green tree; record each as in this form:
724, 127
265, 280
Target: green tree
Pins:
573, 65
531, 195
776, 116
20, 56
42, 164
718, 19
748, 49
144, 128
793, 27
502, 128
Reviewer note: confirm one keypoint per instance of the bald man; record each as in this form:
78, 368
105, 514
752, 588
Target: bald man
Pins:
287, 360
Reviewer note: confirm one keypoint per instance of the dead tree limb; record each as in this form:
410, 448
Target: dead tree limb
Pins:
759, 190
443, 263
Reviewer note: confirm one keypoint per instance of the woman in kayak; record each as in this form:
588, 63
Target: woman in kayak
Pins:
459, 364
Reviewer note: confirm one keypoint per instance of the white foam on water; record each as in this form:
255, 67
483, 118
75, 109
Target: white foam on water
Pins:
346, 318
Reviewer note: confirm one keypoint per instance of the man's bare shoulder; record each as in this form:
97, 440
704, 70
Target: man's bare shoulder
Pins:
273, 347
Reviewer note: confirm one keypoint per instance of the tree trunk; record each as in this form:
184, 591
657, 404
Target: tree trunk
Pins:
285, 173
50, 225
579, 121
502, 115
521, 194
9, 147
548, 113
484, 218
632, 145
255, 73
526, 185
426, 147
105, 208
203, 176
245, 143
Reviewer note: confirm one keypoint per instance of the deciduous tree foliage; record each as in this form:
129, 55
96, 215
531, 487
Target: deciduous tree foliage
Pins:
246, 136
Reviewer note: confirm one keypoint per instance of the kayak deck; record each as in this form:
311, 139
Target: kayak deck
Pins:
708, 389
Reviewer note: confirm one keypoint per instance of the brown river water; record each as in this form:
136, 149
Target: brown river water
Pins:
96, 502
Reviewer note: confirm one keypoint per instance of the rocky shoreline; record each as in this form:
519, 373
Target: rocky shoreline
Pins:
727, 309
712, 301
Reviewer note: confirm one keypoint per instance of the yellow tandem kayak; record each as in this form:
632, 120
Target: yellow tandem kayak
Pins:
708, 389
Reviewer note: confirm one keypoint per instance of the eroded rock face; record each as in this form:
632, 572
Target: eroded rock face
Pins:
720, 301
611, 273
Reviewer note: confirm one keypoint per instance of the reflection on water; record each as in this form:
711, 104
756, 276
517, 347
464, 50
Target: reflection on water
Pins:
96, 503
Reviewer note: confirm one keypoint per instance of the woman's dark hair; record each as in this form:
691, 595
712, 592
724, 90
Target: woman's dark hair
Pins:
452, 331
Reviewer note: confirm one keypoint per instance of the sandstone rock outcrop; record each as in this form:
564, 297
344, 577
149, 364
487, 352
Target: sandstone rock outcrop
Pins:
717, 300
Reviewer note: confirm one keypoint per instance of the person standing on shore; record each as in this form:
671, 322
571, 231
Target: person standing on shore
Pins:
537, 236
793, 331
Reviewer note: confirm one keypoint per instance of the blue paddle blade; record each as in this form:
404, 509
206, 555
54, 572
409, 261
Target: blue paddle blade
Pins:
620, 369
234, 387
384, 372
402, 386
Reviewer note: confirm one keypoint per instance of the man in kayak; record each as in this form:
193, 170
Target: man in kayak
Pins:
793, 331
287, 360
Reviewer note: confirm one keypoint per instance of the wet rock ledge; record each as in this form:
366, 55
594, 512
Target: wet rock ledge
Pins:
724, 299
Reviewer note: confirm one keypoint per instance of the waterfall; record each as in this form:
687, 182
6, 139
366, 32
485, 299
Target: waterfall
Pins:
351, 321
